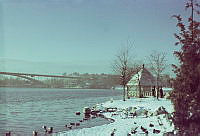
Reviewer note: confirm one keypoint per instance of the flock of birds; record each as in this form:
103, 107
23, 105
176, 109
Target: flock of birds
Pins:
142, 130
134, 130
94, 114
35, 133
49, 130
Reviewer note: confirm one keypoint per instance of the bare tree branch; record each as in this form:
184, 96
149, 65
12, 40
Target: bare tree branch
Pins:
123, 65
157, 62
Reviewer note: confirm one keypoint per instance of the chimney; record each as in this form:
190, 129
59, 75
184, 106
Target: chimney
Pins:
143, 66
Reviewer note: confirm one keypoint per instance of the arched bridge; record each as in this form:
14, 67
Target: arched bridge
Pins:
23, 75
30, 77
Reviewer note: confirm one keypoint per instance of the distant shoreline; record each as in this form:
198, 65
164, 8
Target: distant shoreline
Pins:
49, 87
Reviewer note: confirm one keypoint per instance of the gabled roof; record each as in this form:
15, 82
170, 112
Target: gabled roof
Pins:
144, 77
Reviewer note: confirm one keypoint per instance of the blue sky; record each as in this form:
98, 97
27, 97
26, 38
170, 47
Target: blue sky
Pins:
86, 32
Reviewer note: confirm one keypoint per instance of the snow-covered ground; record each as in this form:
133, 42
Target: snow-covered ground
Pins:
135, 116
167, 89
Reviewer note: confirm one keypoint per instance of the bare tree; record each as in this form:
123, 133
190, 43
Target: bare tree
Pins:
122, 65
157, 62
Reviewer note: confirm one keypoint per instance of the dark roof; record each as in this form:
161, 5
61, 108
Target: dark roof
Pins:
144, 77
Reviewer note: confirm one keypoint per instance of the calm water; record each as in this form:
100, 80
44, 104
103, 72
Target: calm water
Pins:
23, 110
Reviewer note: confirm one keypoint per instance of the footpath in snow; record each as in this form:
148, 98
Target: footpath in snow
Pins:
135, 116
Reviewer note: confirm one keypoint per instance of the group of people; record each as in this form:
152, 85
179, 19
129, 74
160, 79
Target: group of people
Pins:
157, 92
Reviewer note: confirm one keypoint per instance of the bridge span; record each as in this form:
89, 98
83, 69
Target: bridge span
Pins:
31, 77
36, 75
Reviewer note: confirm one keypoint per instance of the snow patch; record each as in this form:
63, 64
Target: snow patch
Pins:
136, 116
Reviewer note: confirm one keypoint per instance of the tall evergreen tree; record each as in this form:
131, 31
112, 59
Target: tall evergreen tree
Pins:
186, 95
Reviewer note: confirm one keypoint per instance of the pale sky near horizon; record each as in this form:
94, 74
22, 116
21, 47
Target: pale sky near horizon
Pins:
86, 31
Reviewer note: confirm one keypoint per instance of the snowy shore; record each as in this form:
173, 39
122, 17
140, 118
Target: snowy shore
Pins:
135, 116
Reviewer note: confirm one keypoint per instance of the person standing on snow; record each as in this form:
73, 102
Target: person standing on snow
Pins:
153, 91
157, 92
161, 92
